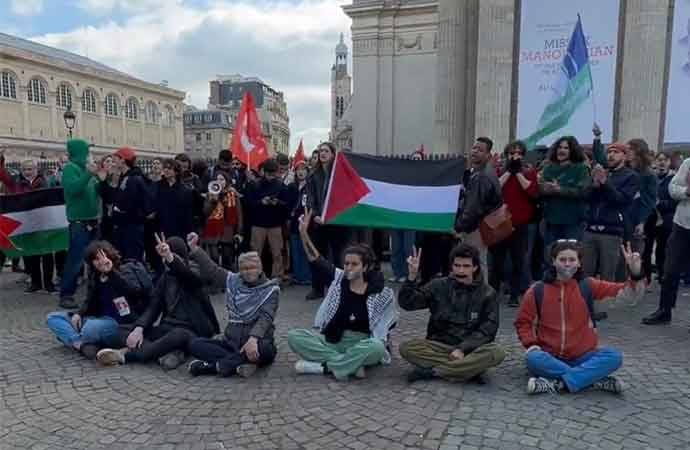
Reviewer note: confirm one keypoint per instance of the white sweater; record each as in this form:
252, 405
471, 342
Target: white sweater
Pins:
678, 189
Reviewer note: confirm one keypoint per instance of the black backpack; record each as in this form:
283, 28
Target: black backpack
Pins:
585, 291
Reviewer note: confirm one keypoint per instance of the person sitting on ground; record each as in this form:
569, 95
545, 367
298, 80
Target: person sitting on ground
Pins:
459, 345
183, 306
252, 302
111, 300
354, 319
556, 327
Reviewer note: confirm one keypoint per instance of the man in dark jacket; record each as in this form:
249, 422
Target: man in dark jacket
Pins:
459, 343
610, 198
482, 197
183, 306
268, 201
192, 182
132, 204
174, 203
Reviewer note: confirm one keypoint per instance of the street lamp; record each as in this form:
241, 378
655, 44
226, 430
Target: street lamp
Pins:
70, 118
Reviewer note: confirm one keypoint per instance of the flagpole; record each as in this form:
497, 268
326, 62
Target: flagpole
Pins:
591, 77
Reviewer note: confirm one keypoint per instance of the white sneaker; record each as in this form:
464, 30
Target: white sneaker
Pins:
544, 386
610, 384
361, 373
308, 367
110, 357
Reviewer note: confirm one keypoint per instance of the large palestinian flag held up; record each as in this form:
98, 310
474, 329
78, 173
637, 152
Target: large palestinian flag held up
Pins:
369, 191
33, 223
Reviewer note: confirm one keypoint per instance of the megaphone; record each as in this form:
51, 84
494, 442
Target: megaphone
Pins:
214, 188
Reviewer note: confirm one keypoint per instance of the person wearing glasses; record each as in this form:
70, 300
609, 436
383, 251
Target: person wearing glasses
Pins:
557, 329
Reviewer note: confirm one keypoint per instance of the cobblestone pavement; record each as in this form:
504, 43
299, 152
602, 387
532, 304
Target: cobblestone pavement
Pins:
51, 398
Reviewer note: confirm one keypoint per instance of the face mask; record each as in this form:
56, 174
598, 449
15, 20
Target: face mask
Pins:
565, 273
354, 275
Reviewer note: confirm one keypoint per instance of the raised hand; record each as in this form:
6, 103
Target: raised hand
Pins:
413, 263
162, 248
596, 130
632, 259
304, 221
103, 263
193, 241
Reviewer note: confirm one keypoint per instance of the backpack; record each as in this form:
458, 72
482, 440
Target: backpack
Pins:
135, 274
585, 292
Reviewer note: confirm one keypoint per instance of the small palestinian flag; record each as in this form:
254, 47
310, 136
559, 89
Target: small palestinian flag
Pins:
368, 191
33, 223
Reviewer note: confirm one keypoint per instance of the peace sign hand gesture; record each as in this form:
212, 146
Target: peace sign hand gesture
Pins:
102, 263
163, 249
633, 260
413, 263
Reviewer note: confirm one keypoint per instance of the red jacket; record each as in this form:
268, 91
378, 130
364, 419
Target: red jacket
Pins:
19, 184
565, 329
521, 201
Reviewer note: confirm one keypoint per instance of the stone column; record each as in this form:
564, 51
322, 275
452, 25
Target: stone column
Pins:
495, 70
644, 56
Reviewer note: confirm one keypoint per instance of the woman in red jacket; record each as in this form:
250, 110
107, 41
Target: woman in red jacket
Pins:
555, 324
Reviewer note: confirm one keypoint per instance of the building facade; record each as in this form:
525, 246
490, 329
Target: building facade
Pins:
39, 83
441, 72
226, 93
206, 132
341, 98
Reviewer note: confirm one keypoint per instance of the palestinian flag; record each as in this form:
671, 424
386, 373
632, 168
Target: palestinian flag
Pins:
33, 223
368, 191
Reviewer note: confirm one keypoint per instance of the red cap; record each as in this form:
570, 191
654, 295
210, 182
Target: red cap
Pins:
126, 154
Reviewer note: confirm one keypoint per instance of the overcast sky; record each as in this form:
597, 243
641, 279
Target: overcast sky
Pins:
288, 43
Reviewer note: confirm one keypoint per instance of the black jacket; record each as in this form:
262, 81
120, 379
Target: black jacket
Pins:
180, 285
297, 200
136, 299
483, 195
268, 216
197, 188
666, 205
317, 185
610, 203
465, 317
174, 205
131, 199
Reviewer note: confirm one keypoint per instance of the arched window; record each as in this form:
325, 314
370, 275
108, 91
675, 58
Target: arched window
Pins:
88, 101
37, 91
64, 96
111, 105
8, 85
168, 116
132, 108
151, 113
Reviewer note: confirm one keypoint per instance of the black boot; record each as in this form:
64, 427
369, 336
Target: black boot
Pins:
420, 373
198, 367
658, 317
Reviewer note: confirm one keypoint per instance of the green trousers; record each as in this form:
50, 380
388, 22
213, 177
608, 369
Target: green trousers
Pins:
431, 354
343, 358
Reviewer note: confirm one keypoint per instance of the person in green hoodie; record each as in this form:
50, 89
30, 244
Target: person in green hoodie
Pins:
563, 185
83, 208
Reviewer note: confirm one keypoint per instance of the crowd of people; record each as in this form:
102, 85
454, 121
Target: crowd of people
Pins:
588, 224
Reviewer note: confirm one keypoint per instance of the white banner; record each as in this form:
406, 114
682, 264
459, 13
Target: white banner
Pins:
545, 30
678, 99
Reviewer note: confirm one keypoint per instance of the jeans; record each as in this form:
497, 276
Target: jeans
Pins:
402, 242
80, 236
554, 232
579, 373
676, 263
227, 354
301, 271
94, 330
516, 245
128, 239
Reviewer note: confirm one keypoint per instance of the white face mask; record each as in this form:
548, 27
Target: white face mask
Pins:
565, 273
353, 275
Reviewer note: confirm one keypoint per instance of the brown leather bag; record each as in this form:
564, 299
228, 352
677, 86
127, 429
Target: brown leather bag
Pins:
497, 226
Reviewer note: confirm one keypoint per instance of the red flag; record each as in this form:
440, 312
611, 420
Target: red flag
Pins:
248, 142
346, 189
7, 227
299, 156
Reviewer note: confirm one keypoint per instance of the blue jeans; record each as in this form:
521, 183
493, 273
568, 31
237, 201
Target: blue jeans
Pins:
80, 236
579, 373
401, 248
94, 330
128, 239
301, 271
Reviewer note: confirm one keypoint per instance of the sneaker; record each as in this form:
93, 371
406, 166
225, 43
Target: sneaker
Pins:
609, 384
110, 357
68, 303
420, 373
308, 367
246, 370
543, 385
198, 367
172, 360
32, 289
361, 373
314, 295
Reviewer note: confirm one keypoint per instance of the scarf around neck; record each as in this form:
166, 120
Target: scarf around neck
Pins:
244, 302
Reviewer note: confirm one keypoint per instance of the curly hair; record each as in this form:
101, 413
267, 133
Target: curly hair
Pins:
107, 248
577, 155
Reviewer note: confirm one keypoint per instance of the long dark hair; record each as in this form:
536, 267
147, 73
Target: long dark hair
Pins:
107, 248
577, 155
641, 151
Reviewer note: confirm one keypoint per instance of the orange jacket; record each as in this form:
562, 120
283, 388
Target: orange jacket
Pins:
565, 329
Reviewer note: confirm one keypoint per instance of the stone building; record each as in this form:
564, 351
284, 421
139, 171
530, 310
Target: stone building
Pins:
113, 109
441, 72
341, 98
227, 92
206, 132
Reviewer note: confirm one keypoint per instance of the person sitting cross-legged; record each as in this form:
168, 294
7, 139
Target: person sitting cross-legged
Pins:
354, 319
252, 302
555, 324
459, 345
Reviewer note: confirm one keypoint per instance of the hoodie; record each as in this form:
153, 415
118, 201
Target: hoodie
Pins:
82, 200
131, 199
